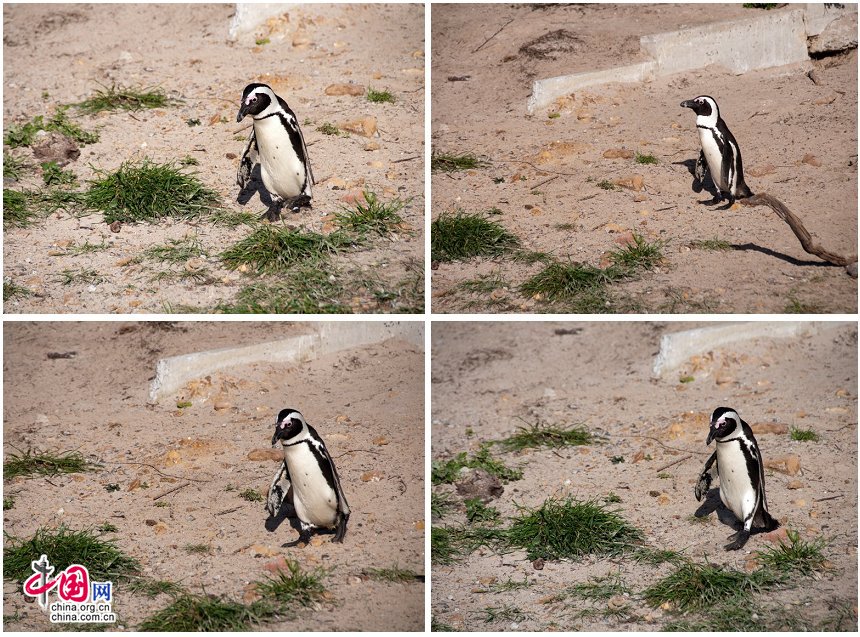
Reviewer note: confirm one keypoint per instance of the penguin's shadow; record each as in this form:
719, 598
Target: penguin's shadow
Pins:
287, 512
713, 503
254, 186
698, 186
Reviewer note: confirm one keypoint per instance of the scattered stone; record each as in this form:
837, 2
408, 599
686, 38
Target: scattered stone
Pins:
761, 170
277, 566
369, 146
614, 227
116, 226
634, 182
477, 483
221, 404
639, 198
839, 35
250, 594
366, 126
53, 146
380, 441
616, 602
261, 550
780, 535
316, 540
653, 493
559, 150
538, 564
372, 476
354, 90
800, 503
789, 465
230, 155
811, 159
770, 428
625, 239
618, 153
663, 499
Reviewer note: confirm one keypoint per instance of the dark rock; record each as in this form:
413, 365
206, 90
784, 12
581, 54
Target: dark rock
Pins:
55, 147
477, 483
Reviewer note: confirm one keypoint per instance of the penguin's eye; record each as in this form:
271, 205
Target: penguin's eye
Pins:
251, 99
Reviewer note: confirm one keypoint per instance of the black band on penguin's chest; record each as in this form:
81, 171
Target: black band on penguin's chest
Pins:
323, 462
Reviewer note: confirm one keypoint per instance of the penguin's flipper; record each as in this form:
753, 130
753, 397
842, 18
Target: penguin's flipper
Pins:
247, 161
740, 538
699, 173
275, 497
706, 477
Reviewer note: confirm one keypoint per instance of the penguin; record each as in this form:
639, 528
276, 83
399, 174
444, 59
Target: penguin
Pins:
720, 154
277, 141
738, 462
315, 488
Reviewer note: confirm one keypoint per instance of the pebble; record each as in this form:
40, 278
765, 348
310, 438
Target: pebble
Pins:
618, 153
365, 126
354, 90
789, 465
811, 159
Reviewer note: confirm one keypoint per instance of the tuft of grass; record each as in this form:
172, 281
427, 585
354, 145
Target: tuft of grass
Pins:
436, 626
449, 162
655, 557
379, 97
716, 244
64, 547
554, 115
506, 613
25, 134
605, 184
13, 167
16, 211
197, 549
84, 276
262, 41
484, 285
293, 587
447, 545
600, 588
177, 250
86, 248
46, 464
796, 306
153, 588
328, 128
448, 471
251, 495
440, 504
578, 283
479, 513
796, 556
391, 574
305, 289
645, 159
146, 191
53, 175
8, 502
107, 527
695, 586
510, 585
372, 216
640, 255
115, 98
804, 435
12, 290
460, 236
277, 248
570, 529
229, 219
545, 435
190, 612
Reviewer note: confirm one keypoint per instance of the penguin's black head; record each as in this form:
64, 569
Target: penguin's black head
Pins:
255, 99
703, 105
289, 423
723, 422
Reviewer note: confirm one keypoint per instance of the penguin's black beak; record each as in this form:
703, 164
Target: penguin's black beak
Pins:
242, 112
688, 104
711, 434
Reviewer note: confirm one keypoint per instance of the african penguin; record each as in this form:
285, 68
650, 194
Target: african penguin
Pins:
720, 151
314, 484
277, 139
741, 471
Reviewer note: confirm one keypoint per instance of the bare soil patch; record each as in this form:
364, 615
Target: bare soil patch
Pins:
599, 375
183, 49
367, 403
798, 141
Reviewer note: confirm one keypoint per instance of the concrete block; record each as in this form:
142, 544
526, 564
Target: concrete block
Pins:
770, 39
838, 35
544, 92
250, 15
677, 348
171, 374
819, 15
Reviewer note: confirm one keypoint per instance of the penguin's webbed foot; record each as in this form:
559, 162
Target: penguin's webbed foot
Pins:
297, 203
740, 538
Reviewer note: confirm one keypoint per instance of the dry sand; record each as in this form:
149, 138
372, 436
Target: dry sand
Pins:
490, 378
366, 403
544, 171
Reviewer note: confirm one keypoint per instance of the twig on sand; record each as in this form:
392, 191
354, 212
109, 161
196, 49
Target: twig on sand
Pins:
494, 35
671, 464
170, 490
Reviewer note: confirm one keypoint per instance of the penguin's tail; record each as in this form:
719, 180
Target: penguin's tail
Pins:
770, 523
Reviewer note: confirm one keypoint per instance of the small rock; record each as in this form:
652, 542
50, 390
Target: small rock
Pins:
663, 499
150, 522
538, 564
618, 153
366, 126
275, 567
316, 540
653, 493
795, 484
261, 550
116, 226
372, 476
639, 198
789, 465
344, 89
800, 503
634, 182
616, 602
55, 147
811, 159
371, 146
221, 404
477, 483
380, 441
780, 535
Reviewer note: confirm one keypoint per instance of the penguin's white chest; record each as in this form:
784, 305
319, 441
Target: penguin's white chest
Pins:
713, 156
736, 490
314, 499
282, 171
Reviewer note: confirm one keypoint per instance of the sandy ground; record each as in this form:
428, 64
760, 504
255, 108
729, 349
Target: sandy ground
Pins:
544, 171
184, 50
487, 377
366, 403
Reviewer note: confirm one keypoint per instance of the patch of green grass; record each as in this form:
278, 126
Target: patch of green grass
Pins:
12, 290
506, 613
83, 276
328, 128
86, 248
379, 97
435, 626
570, 529
582, 285
197, 549
532, 256
804, 435
796, 306
16, 211
13, 167
8, 502
53, 175
686, 379
177, 251
554, 115
229, 219
107, 527
46, 464
695, 586
448, 471
545, 435
510, 585
639, 255
272, 249
612, 498
645, 159
153, 588
251, 495
796, 556
484, 285
192, 613
371, 216
716, 244
459, 236
448, 544
115, 98
600, 588
262, 41
392, 574
616, 459
655, 557
450, 162
294, 587
25, 134
162, 504
565, 226
147, 191
479, 513
440, 504
605, 184
305, 289
64, 547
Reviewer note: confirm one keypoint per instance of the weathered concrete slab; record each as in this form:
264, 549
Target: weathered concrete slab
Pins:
545, 91
250, 15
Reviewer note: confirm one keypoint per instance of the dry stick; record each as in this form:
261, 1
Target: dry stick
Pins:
833, 497
544, 182
798, 229
171, 490
494, 35
673, 463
